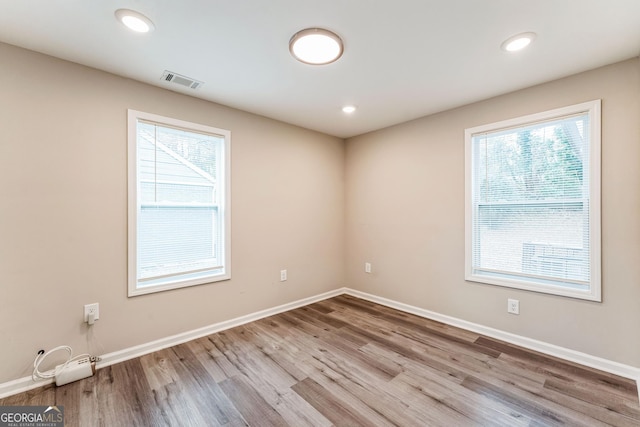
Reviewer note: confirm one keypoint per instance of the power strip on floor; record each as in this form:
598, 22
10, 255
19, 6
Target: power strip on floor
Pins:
76, 370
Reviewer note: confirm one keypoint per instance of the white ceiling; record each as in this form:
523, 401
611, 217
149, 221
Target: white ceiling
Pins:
403, 58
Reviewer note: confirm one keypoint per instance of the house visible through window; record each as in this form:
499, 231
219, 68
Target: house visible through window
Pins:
533, 202
178, 203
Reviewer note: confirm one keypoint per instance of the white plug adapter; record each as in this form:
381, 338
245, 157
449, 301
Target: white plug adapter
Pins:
76, 370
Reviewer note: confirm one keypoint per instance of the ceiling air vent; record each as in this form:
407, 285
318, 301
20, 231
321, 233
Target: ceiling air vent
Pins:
185, 81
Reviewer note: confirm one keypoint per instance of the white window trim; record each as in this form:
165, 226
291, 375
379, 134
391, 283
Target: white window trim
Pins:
595, 283
133, 117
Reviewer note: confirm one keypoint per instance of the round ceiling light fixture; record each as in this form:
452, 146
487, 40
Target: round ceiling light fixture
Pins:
518, 42
135, 21
316, 46
348, 109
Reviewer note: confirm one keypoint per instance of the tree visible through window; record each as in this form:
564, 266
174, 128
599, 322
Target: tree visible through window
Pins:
533, 202
178, 204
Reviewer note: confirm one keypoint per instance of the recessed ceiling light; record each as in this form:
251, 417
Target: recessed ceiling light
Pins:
316, 46
518, 42
348, 109
134, 20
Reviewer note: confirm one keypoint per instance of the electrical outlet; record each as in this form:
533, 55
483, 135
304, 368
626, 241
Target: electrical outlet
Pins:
283, 275
91, 309
513, 306
367, 267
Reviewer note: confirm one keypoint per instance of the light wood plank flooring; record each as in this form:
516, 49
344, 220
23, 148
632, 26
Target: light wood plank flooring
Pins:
344, 362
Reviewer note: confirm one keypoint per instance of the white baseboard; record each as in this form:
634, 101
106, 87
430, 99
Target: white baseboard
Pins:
24, 384
595, 362
140, 350
20, 385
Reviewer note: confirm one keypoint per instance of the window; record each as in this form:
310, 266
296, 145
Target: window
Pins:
533, 202
179, 229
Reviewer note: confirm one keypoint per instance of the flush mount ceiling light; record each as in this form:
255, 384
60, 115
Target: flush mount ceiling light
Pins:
316, 46
134, 20
518, 42
348, 109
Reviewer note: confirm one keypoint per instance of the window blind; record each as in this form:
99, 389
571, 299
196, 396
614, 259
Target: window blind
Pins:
179, 228
531, 202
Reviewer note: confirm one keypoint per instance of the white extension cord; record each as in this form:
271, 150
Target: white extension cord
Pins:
75, 368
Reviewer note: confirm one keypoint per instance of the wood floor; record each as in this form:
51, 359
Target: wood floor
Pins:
344, 362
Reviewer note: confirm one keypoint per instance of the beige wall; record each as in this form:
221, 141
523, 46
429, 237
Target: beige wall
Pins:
63, 212
405, 215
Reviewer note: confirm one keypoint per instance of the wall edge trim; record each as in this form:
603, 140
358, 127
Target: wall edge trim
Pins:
25, 384
610, 366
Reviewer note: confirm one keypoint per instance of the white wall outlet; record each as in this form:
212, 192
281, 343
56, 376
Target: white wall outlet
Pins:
513, 306
283, 275
367, 267
91, 309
